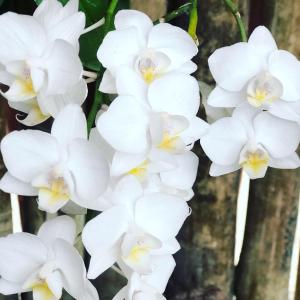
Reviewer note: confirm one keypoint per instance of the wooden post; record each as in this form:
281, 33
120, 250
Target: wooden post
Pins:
264, 268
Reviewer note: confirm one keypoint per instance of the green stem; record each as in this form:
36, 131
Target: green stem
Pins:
98, 100
183, 9
194, 21
234, 10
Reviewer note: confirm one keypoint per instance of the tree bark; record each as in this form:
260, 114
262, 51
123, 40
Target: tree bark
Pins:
264, 268
205, 264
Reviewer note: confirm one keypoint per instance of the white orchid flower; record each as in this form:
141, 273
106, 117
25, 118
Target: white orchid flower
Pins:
255, 72
134, 230
251, 140
61, 22
44, 264
161, 131
58, 167
40, 66
140, 53
148, 287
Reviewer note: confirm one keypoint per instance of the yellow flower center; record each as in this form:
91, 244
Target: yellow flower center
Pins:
148, 74
255, 161
169, 142
41, 290
140, 171
137, 252
58, 191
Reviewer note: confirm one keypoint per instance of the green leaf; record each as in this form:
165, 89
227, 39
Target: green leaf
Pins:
1, 2
90, 42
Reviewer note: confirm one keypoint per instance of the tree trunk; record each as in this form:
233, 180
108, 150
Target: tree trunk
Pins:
264, 268
205, 264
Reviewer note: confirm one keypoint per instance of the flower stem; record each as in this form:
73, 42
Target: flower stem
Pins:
183, 9
98, 100
94, 26
234, 10
194, 21
116, 269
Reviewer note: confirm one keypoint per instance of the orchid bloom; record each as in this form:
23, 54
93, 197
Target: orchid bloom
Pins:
39, 60
251, 140
61, 22
140, 53
147, 287
257, 73
58, 167
162, 131
135, 230
45, 263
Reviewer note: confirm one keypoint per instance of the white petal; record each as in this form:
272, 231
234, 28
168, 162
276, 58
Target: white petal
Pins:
290, 162
53, 104
10, 184
132, 18
55, 283
62, 227
196, 129
28, 153
127, 191
153, 215
102, 145
119, 47
188, 67
72, 267
102, 261
9, 287
262, 43
179, 46
163, 267
286, 68
17, 92
63, 67
89, 170
224, 141
217, 170
222, 98
286, 110
21, 254
48, 11
108, 83
69, 124
233, 66
64, 23
129, 83
68, 29
104, 231
115, 124
184, 176
22, 35
46, 203
175, 93
279, 137
124, 162
34, 117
